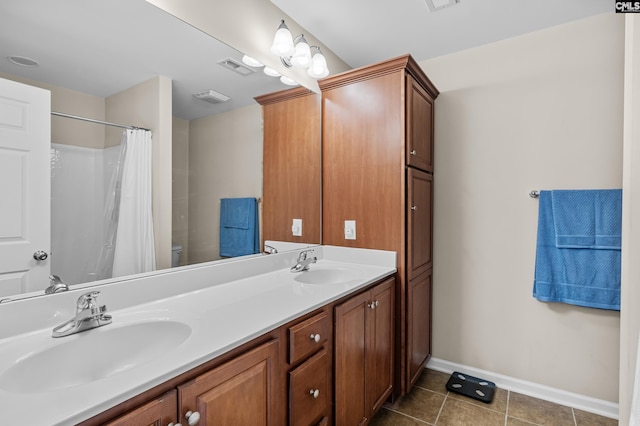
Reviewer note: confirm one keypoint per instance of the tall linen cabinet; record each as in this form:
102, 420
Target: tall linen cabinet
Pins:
377, 170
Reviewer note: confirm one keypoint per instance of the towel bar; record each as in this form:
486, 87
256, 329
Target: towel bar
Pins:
534, 193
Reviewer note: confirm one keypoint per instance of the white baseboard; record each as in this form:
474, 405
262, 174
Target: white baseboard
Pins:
559, 396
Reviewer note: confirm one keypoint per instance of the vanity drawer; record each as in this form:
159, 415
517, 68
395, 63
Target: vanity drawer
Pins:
309, 391
307, 337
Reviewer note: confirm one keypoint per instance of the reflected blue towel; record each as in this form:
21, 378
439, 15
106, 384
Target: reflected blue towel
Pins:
578, 276
239, 233
588, 218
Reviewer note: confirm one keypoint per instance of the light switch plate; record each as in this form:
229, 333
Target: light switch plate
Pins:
349, 229
296, 228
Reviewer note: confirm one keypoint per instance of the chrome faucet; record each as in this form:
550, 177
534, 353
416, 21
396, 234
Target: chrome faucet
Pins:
88, 315
269, 249
303, 262
55, 285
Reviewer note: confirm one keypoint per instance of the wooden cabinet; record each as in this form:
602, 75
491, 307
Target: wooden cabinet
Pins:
377, 169
419, 324
364, 329
291, 165
239, 392
158, 412
310, 376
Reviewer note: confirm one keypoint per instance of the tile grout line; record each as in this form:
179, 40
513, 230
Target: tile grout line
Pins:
506, 410
441, 408
407, 415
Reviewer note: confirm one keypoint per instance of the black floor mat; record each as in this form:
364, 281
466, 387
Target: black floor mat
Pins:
473, 387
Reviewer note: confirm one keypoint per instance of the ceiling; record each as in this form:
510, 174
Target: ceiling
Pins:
362, 32
103, 47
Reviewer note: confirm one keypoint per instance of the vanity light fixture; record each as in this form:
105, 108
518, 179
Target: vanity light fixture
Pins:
248, 60
296, 52
288, 81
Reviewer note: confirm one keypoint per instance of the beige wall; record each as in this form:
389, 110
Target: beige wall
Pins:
67, 131
225, 160
180, 187
630, 314
148, 105
540, 111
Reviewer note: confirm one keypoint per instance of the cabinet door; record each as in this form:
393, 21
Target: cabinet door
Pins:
349, 361
309, 391
241, 392
419, 222
159, 412
380, 337
419, 126
418, 325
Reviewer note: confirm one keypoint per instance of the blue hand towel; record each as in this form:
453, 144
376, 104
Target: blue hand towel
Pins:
578, 276
239, 233
588, 218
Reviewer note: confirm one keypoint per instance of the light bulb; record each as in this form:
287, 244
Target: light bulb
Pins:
283, 42
289, 82
248, 60
302, 55
271, 72
318, 68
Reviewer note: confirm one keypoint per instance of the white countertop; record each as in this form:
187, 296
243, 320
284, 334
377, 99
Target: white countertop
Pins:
258, 295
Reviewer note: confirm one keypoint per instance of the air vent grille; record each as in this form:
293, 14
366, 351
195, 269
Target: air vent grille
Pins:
435, 5
212, 96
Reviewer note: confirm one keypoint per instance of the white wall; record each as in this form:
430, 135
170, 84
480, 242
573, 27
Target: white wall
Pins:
630, 314
540, 111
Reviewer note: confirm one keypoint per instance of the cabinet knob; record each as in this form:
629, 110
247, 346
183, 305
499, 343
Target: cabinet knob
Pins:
413, 152
315, 337
193, 417
174, 424
414, 208
314, 393
372, 305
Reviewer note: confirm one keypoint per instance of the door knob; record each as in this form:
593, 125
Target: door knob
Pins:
40, 255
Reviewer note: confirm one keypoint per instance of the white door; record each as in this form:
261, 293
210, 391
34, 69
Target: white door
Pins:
25, 175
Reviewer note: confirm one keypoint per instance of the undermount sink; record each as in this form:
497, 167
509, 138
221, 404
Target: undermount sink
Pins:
93, 355
321, 274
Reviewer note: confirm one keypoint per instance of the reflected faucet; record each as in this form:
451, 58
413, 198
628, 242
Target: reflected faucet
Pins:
55, 285
88, 315
303, 262
269, 249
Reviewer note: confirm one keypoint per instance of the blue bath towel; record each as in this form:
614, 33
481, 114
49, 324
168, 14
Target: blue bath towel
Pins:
239, 233
579, 276
588, 218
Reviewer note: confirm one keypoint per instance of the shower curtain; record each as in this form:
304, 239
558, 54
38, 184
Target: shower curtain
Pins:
129, 246
134, 246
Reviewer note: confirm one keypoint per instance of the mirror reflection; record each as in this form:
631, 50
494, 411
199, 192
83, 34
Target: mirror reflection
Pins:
127, 62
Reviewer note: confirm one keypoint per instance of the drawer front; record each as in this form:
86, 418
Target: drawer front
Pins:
309, 391
307, 337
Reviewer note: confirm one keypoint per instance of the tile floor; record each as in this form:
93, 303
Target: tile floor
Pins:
429, 403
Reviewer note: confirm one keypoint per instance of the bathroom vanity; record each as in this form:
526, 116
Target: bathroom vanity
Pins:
246, 340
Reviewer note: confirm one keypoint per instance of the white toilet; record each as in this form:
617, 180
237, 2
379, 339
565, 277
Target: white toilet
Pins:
176, 250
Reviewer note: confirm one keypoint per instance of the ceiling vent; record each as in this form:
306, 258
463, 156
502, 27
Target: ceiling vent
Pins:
435, 5
211, 96
236, 66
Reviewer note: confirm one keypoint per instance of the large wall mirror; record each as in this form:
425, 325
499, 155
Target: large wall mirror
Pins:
96, 57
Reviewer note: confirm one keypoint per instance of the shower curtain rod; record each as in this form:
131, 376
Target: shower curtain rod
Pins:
91, 120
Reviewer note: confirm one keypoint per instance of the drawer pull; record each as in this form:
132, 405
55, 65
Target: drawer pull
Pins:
413, 152
193, 417
315, 337
374, 304
314, 393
